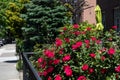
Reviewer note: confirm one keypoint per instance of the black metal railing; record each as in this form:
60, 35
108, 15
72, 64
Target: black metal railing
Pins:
29, 72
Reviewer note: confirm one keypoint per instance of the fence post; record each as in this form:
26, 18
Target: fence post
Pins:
29, 72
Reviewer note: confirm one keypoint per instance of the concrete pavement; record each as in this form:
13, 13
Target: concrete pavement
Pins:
8, 63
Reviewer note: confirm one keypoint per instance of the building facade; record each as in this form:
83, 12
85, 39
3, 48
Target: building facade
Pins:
110, 12
89, 12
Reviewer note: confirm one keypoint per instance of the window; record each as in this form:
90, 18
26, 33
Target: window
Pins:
103, 19
117, 18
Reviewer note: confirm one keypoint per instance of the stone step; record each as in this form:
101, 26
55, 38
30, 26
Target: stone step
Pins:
8, 59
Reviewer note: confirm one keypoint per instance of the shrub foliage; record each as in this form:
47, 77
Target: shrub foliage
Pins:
80, 53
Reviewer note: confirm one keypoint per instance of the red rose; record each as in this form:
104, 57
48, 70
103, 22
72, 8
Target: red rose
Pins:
88, 28
102, 58
92, 55
93, 38
81, 78
114, 27
85, 67
75, 26
40, 60
58, 42
98, 41
64, 28
91, 70
103, 71
45, 73
66, 58
56, 61
58, 77
61, 51
74, 47
77, 33
43, 64
117, 69
50, 69
83, 32
68, 70
67, 40
40, 73
79, 43
111, 51
49, 78
87, 41
50, 62
49, 53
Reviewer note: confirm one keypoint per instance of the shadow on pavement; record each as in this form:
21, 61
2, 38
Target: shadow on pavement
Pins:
11, 61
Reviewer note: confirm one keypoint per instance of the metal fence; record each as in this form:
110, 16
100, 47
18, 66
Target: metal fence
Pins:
29, 72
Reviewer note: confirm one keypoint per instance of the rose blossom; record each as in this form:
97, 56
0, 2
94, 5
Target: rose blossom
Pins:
64, 28
61, 51
117, 69
58, 42
49, 53
85, 67
83, 32
102, 58
91, 70
67, 40
68, 70
40, 73
45, 73
43, 64
88, 28
81, 78
50, 69
58, 77
111, 51
40, 60
49, 78
79, 43
66, 58
98, 41
77, 33
103, 71
74, 47
56, 61
93, 38
50, 62
92, 55
87, 42
114, 27
76, 26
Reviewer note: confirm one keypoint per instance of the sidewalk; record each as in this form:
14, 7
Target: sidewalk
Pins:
8, 63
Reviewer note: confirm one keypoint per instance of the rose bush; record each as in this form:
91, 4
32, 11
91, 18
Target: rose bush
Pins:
80, 53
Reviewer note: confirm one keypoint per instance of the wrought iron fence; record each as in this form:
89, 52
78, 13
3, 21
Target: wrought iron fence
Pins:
29, 72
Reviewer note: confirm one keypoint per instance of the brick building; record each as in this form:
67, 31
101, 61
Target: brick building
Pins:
110, 12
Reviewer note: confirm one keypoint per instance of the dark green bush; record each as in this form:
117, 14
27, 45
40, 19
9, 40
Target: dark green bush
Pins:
43, 18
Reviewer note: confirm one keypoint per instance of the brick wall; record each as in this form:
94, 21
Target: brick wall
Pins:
89, 13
